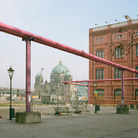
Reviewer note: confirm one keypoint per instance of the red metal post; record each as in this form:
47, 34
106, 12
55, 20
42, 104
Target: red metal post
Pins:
122, 82
66, 92
88, 92
28, 75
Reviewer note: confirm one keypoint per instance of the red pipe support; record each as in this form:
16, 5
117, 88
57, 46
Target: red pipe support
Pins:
122, 86
28, 76
88, 92
66, 92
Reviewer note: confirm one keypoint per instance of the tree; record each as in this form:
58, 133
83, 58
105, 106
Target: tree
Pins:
124, 47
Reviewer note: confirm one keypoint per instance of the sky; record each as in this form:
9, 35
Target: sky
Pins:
64, 21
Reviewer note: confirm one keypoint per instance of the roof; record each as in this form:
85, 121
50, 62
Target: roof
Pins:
60, 69
38, 74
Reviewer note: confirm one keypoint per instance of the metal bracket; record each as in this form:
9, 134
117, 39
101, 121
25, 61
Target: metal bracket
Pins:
28, 38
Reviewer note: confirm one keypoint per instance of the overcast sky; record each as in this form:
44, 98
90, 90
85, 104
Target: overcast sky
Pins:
64, 21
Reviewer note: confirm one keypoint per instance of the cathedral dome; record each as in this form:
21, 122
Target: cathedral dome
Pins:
67, 73
38, 74
60, 69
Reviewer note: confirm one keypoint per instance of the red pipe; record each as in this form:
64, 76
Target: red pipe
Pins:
126, 79
75, 83
23, 34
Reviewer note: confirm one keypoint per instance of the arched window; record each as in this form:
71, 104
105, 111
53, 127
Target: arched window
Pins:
136, 94
117, 94
137, 69
100, 94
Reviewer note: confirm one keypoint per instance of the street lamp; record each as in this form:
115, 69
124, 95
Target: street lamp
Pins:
10, 71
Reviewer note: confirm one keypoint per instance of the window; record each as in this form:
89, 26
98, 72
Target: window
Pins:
117, 73
117, 94
99, 74
118, 52
99, 53
136, 69
121, 35
136, 33
136, 50
136, 94
99, 39
100, 94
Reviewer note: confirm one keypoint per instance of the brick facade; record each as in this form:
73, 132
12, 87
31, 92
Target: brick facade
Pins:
117, 43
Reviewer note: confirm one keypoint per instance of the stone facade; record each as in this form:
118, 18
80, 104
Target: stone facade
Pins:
55, 86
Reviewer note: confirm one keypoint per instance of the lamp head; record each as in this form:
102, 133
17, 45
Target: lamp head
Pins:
10, 71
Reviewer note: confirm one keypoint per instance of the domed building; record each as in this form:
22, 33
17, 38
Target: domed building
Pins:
39, 86
59, 74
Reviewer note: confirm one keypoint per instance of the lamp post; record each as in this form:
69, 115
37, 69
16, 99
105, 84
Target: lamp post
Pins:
10, 71
95, 96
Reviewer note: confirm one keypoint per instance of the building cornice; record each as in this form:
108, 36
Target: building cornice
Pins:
113, 28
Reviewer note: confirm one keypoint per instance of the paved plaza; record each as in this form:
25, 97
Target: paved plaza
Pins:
105, 124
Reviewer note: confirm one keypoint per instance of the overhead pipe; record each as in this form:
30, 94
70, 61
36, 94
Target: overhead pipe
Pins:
36, 38
66, 82
122, 85
126, 79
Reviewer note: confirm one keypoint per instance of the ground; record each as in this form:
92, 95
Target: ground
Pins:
105, 124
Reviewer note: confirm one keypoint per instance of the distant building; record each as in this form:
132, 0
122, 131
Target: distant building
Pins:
55, 86
16, 93
82, 92
117, 43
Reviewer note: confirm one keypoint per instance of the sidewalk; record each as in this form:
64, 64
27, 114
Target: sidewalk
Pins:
105, 124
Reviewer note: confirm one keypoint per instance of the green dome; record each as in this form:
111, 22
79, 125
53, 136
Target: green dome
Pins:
67, 73
60, 69
38, 74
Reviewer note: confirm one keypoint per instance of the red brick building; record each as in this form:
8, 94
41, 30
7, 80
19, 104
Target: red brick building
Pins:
117, 43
